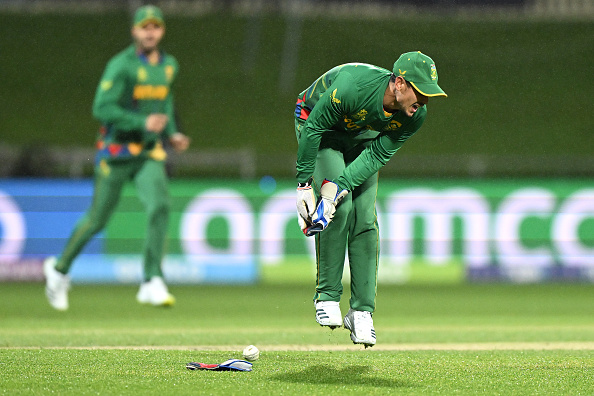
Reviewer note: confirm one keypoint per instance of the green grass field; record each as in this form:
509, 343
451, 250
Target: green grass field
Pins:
463, 339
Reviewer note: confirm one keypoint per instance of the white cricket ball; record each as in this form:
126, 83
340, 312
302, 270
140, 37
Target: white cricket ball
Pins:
251, 353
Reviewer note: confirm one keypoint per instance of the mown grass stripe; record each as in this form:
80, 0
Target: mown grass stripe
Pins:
486, 346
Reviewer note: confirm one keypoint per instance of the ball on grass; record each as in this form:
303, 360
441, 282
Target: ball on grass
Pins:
251, 353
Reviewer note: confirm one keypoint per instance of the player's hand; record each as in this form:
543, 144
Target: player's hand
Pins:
179, 142
156, 122
331, 197
306, 204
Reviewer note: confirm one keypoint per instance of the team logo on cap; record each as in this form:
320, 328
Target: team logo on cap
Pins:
433, 72
150, 11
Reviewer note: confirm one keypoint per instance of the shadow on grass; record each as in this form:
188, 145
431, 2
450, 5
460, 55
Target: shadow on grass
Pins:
349, 375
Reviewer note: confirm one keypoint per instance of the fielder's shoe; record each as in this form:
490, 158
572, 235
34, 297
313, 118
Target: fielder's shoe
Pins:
360, 323
56, 285
155, 292
328, 314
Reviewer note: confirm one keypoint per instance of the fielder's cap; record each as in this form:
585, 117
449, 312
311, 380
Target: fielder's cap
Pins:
148, 14
420, 71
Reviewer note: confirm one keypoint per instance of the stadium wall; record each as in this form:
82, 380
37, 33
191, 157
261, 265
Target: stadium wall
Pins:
232, 95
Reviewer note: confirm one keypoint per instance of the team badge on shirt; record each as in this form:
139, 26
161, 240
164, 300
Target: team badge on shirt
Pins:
141, 74
360, 115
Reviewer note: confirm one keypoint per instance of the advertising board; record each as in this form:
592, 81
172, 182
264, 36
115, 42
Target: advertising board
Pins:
227, 231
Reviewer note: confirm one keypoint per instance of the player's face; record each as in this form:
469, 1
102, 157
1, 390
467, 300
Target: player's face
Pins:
147, 37
409, 100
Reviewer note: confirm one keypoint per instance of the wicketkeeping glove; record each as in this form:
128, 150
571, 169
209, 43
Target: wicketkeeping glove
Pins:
330, 198
228, 365
306, 204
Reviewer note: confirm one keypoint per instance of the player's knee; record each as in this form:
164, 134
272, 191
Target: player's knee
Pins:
95, 224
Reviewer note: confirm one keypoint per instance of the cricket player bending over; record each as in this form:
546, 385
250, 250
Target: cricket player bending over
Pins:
135, 106
349, 123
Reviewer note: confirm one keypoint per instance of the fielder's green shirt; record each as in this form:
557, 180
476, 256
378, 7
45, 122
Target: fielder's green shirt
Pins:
346, 104
130, 89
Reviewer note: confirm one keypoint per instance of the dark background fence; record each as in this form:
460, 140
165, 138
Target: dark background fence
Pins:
518, 75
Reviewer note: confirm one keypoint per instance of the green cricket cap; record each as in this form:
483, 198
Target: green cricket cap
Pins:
420, 71
148, 14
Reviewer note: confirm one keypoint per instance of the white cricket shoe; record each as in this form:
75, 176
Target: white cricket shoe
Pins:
56, 285
360, 323
328, 314
155, 292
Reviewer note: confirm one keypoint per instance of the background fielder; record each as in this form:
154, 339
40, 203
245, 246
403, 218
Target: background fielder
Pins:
349, 123
135, 106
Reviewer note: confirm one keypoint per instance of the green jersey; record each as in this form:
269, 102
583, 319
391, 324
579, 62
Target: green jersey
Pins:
130, 89
346, 104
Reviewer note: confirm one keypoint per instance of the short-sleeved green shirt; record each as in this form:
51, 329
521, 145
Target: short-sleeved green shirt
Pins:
347, 101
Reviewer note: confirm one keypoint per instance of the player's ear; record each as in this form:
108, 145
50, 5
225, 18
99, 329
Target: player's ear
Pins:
400, 83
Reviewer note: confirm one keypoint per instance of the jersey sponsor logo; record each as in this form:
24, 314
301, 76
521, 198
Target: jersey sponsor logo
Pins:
351, 124
144, 92
141, 74
106, 85
351, 120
